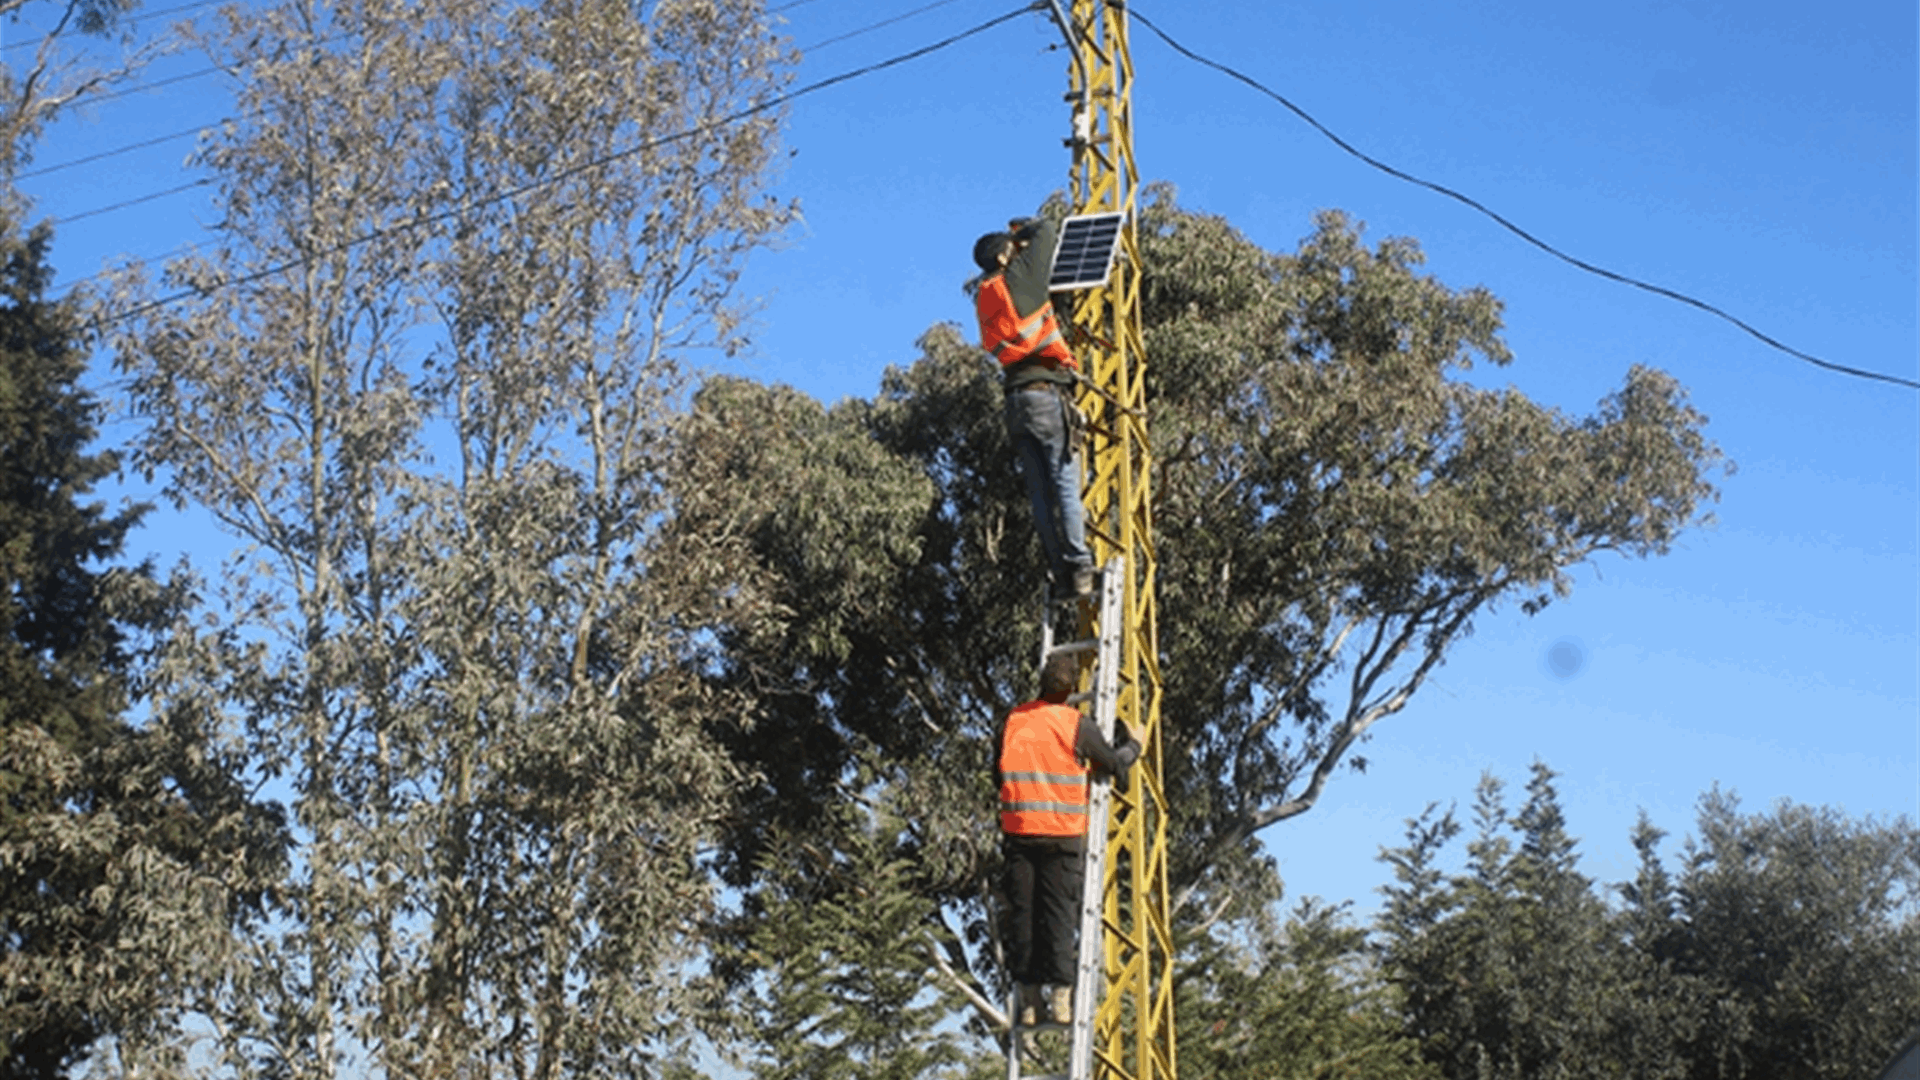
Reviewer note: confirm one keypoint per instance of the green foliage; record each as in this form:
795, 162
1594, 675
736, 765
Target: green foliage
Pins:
850, 940
1300, 1002
1508, 968
125, 851
831, 522
1787, 946
1805, 928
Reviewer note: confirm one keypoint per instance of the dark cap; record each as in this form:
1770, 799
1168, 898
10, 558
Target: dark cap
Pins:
987, 249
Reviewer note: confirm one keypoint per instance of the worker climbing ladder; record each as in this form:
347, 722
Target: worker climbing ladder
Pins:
1103, 649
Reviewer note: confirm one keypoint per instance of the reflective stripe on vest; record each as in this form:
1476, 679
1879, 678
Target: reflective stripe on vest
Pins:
1011, 338
1043, 785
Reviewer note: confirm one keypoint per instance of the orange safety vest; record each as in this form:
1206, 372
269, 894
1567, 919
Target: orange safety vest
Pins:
1011, 338
1043, 785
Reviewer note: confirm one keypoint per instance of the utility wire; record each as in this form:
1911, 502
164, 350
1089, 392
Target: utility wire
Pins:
156, 141
200, 73
140, 18
116, 151
189, 186
194, 131
587, 166
160, 139
1523, 234
875, 26
127, 91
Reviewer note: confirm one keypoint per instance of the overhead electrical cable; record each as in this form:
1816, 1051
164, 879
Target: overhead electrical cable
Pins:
189, 186
1523, 234
198, 73
923, 9
128, 91
159, 139
193, 131
575, 170
144, 16
116, 151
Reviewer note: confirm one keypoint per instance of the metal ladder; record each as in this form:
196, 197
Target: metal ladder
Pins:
1108, 596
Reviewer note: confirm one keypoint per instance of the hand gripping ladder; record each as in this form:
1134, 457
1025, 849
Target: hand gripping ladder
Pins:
1109, 594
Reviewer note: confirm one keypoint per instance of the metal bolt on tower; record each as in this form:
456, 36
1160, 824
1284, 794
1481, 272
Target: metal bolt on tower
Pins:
1133, 1028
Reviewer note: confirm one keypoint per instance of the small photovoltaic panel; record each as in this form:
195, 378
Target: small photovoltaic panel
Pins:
1085, 255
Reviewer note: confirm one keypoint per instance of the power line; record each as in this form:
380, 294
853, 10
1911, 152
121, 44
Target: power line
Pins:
1523, 234
875, 26
189, 186
125, 91
535, 185
140, 18
159, 139
116, 151
193, 131
199, 73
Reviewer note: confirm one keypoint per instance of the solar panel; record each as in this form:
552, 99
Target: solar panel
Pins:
1085, 255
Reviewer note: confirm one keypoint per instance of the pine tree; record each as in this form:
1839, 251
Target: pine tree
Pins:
1509, 968
1802, 923
1300, 1001
58, 645
123, 848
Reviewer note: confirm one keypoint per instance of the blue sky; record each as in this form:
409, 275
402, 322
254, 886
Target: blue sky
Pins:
1759, 156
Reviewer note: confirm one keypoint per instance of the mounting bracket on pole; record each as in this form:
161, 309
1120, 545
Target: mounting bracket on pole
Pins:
1082, 115
1066, 28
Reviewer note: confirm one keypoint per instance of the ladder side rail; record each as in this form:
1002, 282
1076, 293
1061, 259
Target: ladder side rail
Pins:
1106, 702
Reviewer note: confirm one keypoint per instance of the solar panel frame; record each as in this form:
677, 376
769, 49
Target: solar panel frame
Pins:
1084, 257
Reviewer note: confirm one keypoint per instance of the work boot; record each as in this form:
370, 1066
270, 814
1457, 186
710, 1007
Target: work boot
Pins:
1062, 1005
1030, 995
1083, 581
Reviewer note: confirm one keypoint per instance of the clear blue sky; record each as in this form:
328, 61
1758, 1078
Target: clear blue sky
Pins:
1759, 156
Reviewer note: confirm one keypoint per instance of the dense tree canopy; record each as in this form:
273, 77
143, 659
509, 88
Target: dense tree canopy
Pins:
1785, 945
1334, 505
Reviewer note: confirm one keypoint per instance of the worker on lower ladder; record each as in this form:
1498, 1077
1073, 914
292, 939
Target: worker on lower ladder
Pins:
1046, 752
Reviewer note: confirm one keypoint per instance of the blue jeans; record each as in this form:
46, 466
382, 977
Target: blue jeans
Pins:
1037, 427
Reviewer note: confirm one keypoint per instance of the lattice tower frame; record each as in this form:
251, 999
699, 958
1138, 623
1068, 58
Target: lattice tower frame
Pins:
1133, 1037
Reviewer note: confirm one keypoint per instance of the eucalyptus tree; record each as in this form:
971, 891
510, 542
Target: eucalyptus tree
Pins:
1334, 508
59, 75
426, 370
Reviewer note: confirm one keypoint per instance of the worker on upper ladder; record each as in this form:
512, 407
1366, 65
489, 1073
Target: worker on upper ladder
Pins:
1046, 752
1017, 325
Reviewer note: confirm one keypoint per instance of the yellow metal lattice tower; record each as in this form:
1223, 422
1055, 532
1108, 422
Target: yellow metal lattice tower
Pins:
1133, 1029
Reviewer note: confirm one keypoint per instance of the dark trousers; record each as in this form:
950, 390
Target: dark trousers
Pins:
1042, 885
1042, 437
